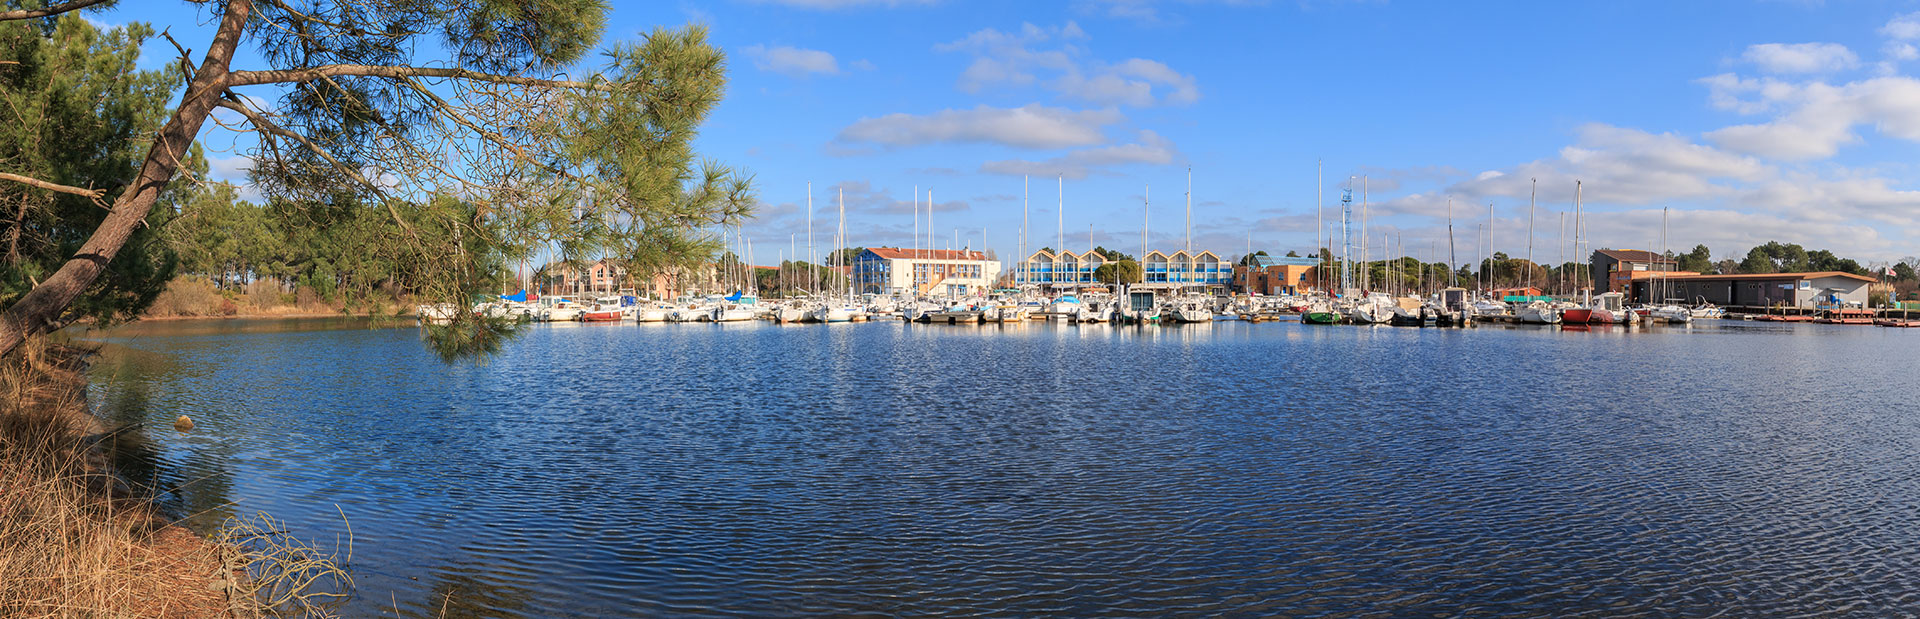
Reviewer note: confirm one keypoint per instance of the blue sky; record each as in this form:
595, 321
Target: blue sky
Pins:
1790, 121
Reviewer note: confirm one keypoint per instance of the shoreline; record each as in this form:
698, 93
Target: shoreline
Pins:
81, 538
269, 316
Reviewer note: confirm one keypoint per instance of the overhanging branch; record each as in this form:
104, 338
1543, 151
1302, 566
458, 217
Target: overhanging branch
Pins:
52, 10
262, 123
278, 76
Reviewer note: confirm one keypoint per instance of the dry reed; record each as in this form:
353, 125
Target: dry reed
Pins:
77, 541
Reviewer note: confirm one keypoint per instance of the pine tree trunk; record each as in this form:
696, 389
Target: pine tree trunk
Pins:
40, 310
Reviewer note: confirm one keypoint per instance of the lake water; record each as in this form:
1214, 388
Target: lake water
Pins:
1246, 469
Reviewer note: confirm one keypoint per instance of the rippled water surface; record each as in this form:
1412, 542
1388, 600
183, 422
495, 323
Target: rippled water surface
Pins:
755, 469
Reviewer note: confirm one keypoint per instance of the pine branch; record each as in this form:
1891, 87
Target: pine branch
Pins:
52, 10
254, 78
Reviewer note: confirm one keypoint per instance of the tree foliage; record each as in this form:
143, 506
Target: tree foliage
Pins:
77, 108
1124, 271
476, 126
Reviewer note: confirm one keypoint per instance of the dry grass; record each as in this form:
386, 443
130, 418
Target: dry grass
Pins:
187, 297
76, 541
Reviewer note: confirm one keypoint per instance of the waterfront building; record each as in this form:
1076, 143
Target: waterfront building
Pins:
942, 272
1614, 268
605, 277
1276, 275
1805, 290
1070, 270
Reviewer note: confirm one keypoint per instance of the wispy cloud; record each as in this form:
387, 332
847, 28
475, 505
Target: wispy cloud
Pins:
792, 61
1055, 58
1030, 126
1149, 149
1801, 57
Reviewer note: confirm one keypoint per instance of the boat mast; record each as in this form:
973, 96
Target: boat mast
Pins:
1026, 264
1146, 222
1366, 270
842, 241
1450, 258
1320, 219
1531, 194
813, 270
1346, 238
1576, 233
916, 222
1561, 281
1189, 272
1490, 249
1486, 272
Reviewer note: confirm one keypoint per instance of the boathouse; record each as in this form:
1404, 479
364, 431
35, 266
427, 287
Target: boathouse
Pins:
1615, 268
1805, 290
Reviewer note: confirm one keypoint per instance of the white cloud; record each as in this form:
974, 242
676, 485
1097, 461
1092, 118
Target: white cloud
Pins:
1623, 166
1818, 118
1030, 126
1150, 149
231, 169
1903, 27
1801, 57
1054, 59
792, 61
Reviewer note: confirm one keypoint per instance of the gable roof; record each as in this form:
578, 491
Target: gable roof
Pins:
895, 253
1634, 255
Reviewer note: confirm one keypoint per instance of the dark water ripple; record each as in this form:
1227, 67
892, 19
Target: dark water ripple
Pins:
752, 469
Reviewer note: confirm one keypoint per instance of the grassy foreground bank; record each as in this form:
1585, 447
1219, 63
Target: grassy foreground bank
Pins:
76, 540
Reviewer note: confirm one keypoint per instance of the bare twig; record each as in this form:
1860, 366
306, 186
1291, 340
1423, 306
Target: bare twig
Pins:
91, 194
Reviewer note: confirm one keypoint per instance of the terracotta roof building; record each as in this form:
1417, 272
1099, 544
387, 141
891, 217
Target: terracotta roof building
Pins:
1613, 268
886, 270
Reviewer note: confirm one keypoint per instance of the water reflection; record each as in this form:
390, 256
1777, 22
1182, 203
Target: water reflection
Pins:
1226, 468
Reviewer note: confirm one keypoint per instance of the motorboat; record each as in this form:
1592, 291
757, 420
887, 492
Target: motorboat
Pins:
1191, 309
1671, 314
1538, 313
957, 314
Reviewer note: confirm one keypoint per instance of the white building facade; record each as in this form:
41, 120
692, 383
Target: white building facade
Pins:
938, 272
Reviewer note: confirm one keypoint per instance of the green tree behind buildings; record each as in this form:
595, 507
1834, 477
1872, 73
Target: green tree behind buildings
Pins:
1120, 272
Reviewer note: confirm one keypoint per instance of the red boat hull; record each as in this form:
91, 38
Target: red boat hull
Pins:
1577, 316
613, 316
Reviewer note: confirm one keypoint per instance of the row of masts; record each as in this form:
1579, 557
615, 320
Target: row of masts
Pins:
1353, 274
